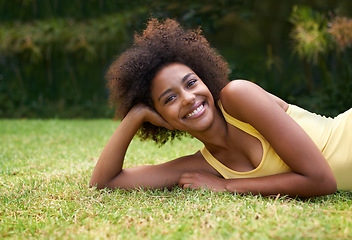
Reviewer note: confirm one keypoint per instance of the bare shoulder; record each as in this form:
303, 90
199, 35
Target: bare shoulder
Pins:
237, 95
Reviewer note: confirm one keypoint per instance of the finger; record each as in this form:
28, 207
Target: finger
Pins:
183, 183
185, 179
168, 126
165, 124
160, 121
191, 174
188, 185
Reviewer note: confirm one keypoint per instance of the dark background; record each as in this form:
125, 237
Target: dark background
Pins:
54, 53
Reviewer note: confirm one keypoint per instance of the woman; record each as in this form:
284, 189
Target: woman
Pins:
171, 82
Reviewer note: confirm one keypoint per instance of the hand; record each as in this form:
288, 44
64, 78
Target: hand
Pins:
203, 180
150, 115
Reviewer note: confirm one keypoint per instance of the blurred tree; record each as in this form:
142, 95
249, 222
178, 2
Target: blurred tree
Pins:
53, 53
321, 42
311, 38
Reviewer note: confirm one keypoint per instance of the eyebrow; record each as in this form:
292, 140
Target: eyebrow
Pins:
186, 76
169, 90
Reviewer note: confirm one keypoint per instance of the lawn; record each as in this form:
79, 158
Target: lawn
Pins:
45, 167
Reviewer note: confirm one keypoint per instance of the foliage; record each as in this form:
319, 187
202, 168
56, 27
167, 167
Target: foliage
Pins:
45, 166
325, 44
310, 33
341, 30
90, 39
51, 66
29, 10
53, 54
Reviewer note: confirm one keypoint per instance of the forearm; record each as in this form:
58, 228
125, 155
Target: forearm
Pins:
111, 160
291, 184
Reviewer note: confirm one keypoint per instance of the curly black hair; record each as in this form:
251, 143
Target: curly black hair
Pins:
161, 43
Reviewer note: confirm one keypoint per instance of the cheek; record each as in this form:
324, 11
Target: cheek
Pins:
161, 111
157, 108
168, 113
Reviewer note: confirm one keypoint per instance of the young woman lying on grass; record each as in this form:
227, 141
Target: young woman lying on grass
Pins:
171, 82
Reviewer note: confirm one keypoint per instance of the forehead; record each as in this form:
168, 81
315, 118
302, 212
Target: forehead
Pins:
173, 71
169, 75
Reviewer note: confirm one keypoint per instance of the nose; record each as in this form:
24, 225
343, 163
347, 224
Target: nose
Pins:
188, 97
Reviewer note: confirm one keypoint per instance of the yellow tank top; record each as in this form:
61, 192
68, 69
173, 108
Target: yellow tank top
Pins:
329, 135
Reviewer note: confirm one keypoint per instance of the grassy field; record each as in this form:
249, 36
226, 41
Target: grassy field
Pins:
45, 166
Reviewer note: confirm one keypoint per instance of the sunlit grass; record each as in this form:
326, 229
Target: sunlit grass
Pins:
45, 167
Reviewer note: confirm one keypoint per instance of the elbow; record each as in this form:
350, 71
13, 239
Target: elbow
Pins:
328, 185
332, 185
98, 181
96, 184
93, 184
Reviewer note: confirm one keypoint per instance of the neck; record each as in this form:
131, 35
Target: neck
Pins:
215, 137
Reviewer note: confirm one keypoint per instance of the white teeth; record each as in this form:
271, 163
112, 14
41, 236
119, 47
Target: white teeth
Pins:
195, 111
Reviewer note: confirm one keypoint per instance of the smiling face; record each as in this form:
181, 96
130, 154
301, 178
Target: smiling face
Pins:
182, 98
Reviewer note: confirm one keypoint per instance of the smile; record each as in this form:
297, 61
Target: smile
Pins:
197, 110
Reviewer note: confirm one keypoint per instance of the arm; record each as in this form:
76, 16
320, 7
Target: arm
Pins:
291, 184
310, 176
108, 171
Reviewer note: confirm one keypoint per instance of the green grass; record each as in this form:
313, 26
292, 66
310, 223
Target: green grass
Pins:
45, 167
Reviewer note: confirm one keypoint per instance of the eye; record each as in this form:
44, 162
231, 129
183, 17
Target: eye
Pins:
191, 82
169, 98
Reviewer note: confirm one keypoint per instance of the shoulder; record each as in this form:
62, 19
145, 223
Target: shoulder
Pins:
239, 90
237, 84
242, 96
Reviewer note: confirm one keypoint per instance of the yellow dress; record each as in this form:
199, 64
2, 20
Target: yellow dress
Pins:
329, 134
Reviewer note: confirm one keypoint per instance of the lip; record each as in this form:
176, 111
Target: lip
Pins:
194, 107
